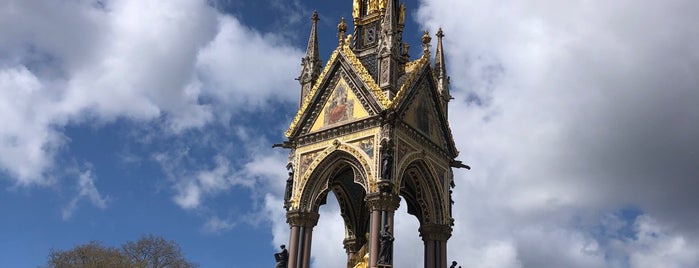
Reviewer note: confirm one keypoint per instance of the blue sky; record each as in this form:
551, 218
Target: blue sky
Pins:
127, 117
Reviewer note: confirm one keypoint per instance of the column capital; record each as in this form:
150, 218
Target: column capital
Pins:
382, 201
435, 232
302, 218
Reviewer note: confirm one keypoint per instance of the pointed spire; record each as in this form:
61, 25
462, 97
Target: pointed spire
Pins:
439, 65
440, 68
311, 62
390, 19
312, 48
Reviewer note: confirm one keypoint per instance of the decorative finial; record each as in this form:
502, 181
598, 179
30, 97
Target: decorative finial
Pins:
426, 41
341, 29
315, 18
440, 34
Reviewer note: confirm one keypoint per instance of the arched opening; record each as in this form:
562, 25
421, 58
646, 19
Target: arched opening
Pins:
328, 236
409, 247
421, 195
337, 193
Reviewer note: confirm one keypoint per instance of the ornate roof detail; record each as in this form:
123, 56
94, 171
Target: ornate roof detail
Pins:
411, 70
346, 52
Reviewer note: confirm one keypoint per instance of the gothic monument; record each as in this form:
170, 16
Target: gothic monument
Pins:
372, 128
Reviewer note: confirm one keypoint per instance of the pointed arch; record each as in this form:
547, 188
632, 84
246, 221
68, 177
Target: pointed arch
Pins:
418, 183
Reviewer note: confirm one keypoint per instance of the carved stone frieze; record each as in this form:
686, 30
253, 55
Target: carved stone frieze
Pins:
338, 131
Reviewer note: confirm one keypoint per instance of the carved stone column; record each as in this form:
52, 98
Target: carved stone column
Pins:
435, 237
301, 224
382, 206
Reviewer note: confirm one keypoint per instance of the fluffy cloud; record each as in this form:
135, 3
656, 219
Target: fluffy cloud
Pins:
569, 112
176, 62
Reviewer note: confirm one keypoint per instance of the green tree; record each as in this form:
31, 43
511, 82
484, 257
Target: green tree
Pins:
148, 252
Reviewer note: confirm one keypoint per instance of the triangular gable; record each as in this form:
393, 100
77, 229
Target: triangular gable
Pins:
342, 106
342, 64
420, 108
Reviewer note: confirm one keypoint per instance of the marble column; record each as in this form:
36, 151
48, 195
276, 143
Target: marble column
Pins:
301, 224
435, 237
382, 206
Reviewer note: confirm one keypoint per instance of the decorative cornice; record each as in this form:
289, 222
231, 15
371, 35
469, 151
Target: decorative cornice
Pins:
339, 131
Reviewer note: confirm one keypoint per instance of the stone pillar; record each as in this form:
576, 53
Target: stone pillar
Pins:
435, 237
382, 206
301, 224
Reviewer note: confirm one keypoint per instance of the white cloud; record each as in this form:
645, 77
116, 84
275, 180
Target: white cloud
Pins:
86, 190
568, 111
215, 225
656, 247
80, 62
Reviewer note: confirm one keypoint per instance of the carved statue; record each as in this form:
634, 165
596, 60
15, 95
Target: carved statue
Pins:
281, 257
289, 186
386, 164
386, 251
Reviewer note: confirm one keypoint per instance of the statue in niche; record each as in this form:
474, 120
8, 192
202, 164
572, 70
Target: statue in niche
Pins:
281, 257
386, 164
289, 186
386, 250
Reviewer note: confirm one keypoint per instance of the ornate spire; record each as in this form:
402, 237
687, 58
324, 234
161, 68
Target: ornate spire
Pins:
389, 49
311, 62
440, 68
389, 25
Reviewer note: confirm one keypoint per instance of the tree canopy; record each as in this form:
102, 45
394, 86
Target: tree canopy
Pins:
148, 252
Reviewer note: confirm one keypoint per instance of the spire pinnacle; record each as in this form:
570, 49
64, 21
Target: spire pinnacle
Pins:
312, 48
439, 64
440, 68
311, 62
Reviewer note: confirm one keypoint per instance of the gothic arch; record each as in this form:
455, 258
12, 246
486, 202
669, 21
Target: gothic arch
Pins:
417, 183
341, 170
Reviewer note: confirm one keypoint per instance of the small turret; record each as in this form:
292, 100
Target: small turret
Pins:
311, 65
440, 69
